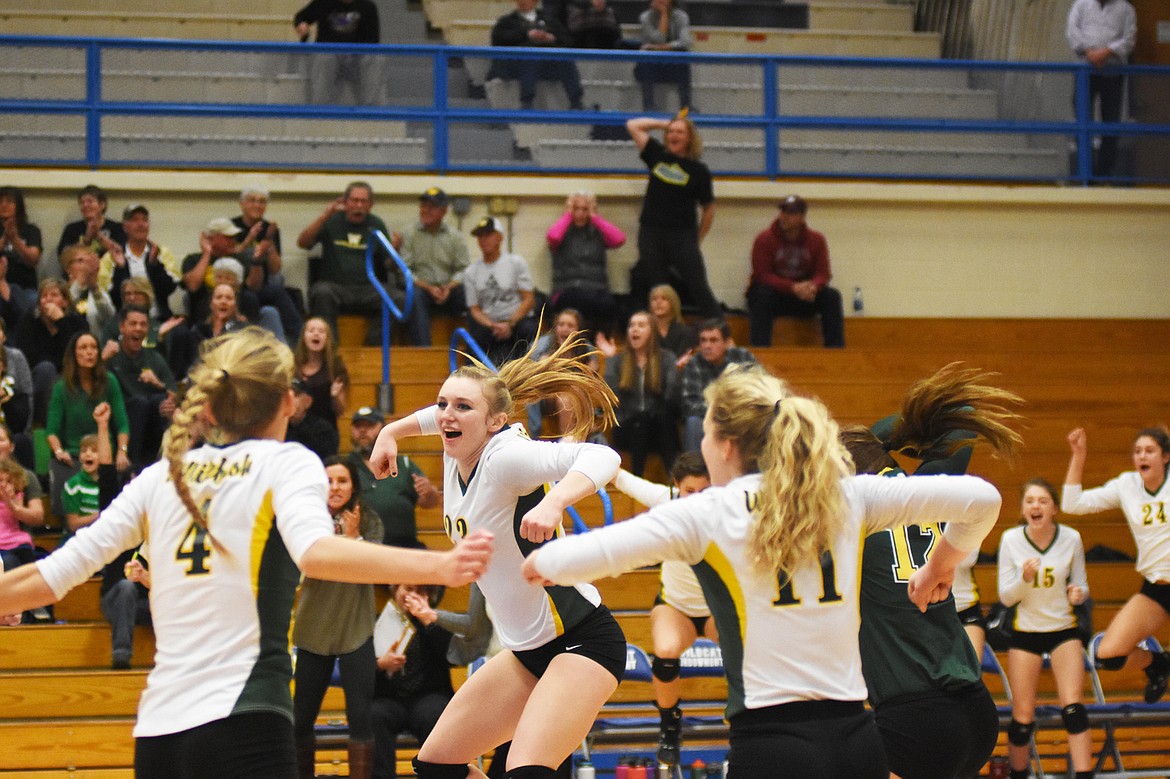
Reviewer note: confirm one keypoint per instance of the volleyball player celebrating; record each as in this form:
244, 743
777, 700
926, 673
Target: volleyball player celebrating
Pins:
229, 523
1143, 496
566, 652
936, 717
776, 546
1042, 574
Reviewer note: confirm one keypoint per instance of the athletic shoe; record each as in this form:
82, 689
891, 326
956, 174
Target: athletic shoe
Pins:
1156, 686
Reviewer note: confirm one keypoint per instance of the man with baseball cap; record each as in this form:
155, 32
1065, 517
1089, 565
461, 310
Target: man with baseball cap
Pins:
437, 257
219, 240
500, 298
139, 257
313, 431
790, 277
395, 497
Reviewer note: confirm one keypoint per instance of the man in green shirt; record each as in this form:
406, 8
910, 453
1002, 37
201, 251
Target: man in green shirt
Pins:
339, 283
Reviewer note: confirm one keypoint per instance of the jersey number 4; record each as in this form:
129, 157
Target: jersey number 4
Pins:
194, 549
829, 594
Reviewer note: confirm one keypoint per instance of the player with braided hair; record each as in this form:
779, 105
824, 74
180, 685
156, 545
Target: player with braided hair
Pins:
229, 524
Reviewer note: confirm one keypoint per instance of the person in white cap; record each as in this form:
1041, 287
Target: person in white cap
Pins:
500, 298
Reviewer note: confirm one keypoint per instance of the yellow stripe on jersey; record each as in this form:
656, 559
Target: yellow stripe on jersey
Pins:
556, 615
261, 530
723, 568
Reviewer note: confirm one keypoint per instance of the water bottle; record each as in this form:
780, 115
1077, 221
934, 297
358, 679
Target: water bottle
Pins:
585, 769
698, 769
663, 771
622, 769
998, 768
858, 302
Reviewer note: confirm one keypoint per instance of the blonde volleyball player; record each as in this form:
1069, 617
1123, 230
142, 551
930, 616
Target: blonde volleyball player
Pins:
230, 522
565, 653
776, 545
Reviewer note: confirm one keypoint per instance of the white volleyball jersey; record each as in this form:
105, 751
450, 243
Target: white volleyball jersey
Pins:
781, 641
680, 586
965, 590
511, 477
1042, 600
1146, 514
221, 611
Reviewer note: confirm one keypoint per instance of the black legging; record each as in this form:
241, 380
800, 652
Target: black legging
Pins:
646, 432
357, 680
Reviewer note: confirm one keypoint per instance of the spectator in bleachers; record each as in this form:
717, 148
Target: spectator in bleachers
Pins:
171, 337
674, 333
643, 377
43, 335
29, 510
664, 27
15, 404
16, 545
22, 384
413, 682
217, 262
532, 27
578, 242
593, 24
223, 313
500, 296
335, 625
85, 383
566, 322
318, 364
669, 228
81, 265
148, 386
716, 352
20, 252
394, 497
339, 276
342, 21
79, 496
311, 431
260, 243
437, 257
790, 277
140, 258
93, 229
1103, 34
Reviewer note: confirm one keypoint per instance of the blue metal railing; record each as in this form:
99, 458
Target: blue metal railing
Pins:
461, 336
444, 116
389, 309
579, 525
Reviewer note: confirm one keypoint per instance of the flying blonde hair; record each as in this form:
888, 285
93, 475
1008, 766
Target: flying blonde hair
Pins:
237, 386
564, 372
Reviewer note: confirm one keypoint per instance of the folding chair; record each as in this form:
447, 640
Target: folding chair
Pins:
989, 663
1108, 714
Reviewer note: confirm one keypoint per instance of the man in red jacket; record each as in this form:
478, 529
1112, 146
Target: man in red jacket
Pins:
790, 277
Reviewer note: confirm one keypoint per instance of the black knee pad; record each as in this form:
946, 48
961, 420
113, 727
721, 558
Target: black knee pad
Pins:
1111, 663
1076, 718
666, 669
530, 772
1020, 733
425, 770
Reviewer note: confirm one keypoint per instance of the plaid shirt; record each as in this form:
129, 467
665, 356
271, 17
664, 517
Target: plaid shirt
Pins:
698, 373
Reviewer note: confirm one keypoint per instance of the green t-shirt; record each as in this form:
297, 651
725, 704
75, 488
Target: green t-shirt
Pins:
394, 498
80, 495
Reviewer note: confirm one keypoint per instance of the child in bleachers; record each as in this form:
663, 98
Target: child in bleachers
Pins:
79, 499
